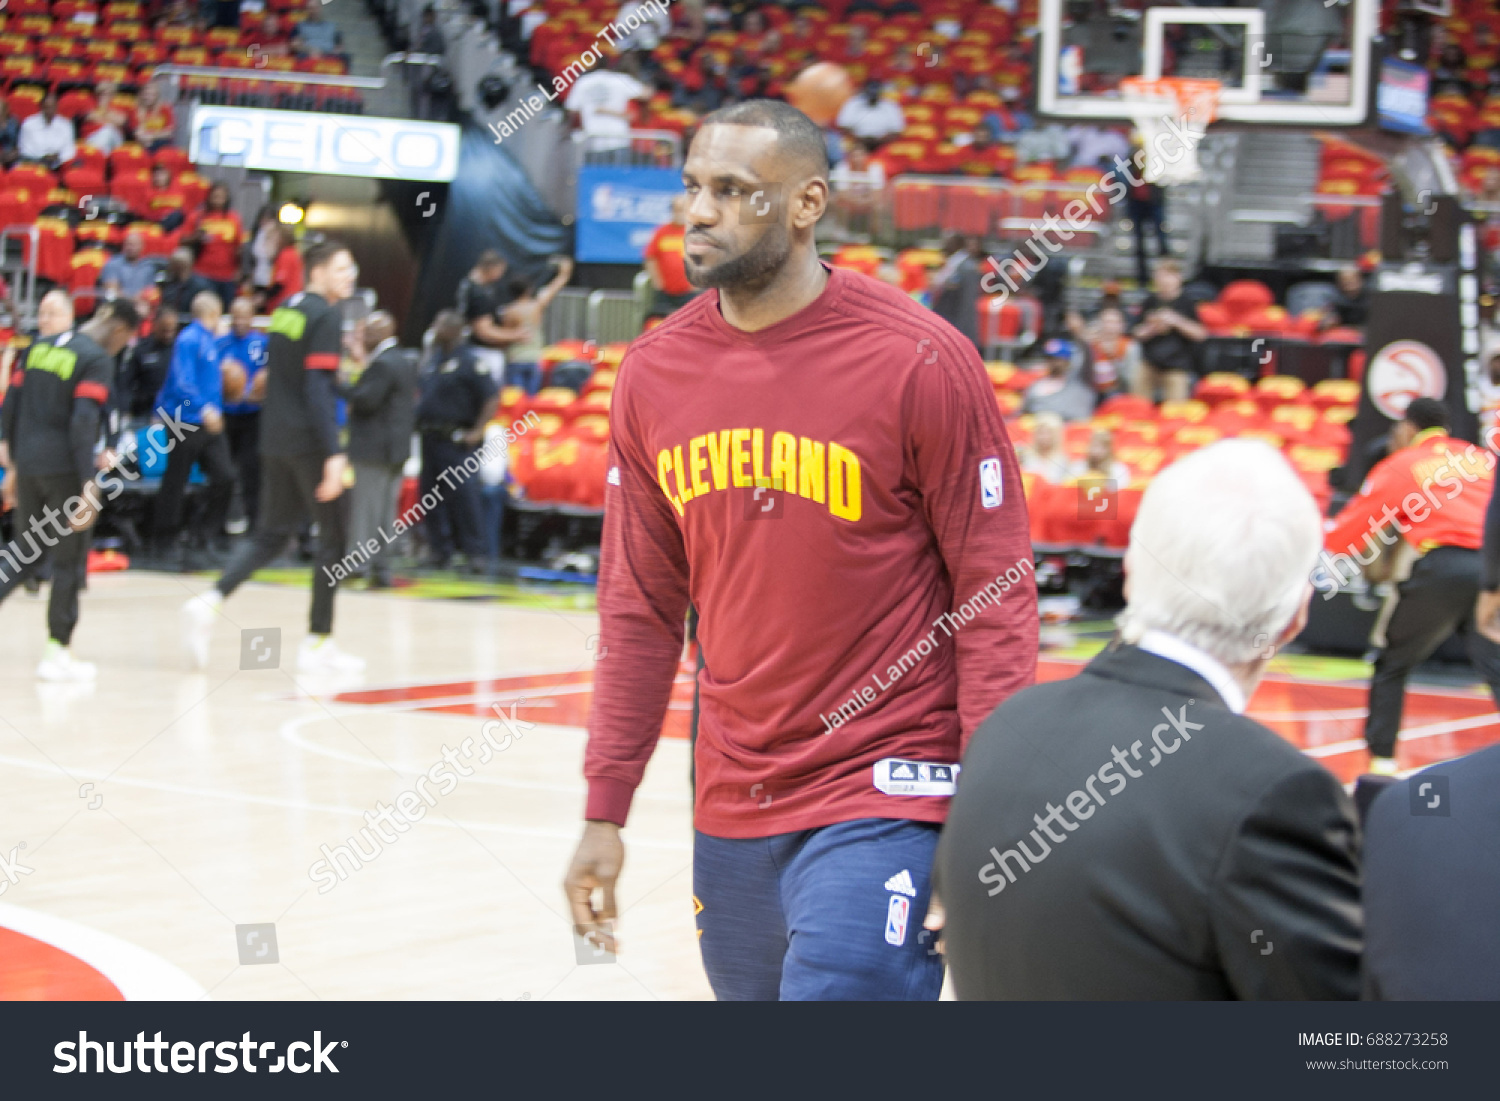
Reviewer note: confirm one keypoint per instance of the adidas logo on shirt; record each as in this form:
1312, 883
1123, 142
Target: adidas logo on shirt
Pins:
902, 772
901, 884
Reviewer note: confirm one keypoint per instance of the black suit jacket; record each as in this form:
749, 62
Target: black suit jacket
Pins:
383, 409
1432, 884
1193, 852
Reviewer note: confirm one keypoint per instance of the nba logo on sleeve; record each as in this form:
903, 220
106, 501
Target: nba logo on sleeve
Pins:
991, 485
895, 920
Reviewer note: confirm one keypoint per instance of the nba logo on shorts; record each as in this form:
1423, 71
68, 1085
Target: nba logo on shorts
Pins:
895, 920
991, 486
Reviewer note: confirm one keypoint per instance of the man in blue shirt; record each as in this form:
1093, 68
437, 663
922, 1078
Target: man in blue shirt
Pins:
247, 349
193, 395
129, 272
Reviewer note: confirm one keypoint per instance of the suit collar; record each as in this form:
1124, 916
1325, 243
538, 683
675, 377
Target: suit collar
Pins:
1205, 665
1130, 664
388, 343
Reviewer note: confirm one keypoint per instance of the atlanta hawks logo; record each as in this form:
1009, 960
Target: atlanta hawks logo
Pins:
1403, 371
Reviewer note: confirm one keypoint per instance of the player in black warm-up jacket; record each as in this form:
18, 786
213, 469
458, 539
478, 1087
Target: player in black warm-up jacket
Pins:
302, 461
50, 423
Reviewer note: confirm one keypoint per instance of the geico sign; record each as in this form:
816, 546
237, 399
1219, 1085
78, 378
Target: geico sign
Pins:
296, 141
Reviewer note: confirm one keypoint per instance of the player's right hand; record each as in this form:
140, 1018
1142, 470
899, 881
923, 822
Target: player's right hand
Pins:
213, 421
596, 866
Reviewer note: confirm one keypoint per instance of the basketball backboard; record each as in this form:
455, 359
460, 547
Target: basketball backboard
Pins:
1287, 62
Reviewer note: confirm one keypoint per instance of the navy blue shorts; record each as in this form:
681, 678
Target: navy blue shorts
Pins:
828, 913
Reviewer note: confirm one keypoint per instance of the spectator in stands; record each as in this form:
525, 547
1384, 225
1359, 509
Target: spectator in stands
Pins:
663, 262
457, 400
287, 274
1170, 335
1145, 204
1351, 307
194, 393
129, 271
265, 245
382, 414
219, 236
484, 281
429, 36
167, 204
153, 122
316, 36
523, 316
146, 366
10, 135
869, 116
482, 296
857, 183
1062, 390
1045, 456
1116, 355
1099, 460
46, 136
654, 24
1098, 146
704, 88
600, 100
954, 288
103, 127
1045, 143
1451, 74
270, 38
180, 284
249, 351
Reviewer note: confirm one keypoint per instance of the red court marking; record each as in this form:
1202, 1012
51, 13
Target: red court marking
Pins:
32, 970
1438, 725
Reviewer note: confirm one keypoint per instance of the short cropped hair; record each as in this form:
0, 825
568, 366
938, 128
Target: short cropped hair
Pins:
796, 134
320, 252
1221, 551
1425, 413
124, 311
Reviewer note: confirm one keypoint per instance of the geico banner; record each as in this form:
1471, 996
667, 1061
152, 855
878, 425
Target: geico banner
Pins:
335, 145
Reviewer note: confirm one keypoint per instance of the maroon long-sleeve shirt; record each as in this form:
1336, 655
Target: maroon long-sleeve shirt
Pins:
837, 496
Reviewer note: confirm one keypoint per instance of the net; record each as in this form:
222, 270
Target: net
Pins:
1171, 115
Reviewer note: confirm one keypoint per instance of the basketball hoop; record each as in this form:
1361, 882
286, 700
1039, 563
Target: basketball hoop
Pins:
1171, 115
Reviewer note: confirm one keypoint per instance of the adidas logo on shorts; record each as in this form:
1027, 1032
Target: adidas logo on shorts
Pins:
901, 883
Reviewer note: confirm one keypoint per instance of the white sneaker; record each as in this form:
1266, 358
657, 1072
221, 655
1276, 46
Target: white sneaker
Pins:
198, 616
319, 654
59, 664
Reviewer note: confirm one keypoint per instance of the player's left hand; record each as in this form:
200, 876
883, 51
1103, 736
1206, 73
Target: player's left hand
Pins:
1487, 615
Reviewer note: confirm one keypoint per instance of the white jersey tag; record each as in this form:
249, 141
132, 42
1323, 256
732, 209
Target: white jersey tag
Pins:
895, 776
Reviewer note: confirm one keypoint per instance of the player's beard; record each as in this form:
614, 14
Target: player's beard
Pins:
750, 268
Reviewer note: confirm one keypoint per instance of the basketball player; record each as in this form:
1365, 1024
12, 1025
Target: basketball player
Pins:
818, 463
50, 423
302, 461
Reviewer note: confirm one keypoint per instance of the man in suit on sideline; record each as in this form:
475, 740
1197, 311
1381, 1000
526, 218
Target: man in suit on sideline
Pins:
1130, 833
382, 414
1432, 884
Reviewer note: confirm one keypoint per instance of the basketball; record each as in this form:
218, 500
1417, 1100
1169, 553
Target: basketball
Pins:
820, 90
232, 377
